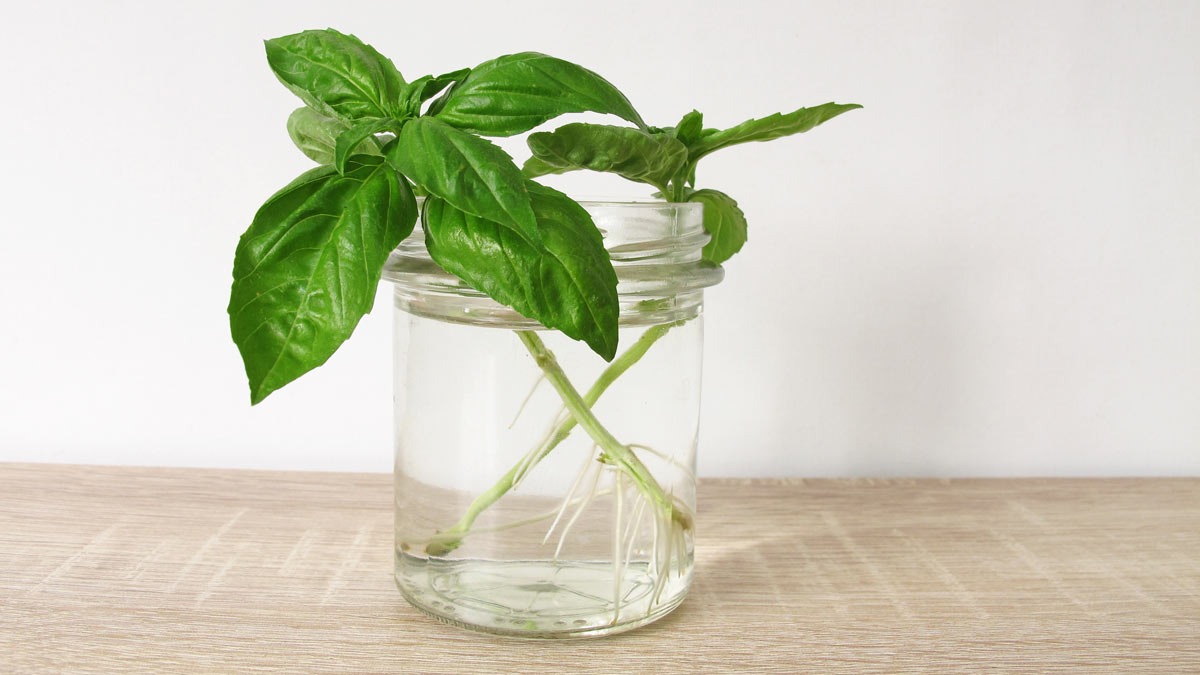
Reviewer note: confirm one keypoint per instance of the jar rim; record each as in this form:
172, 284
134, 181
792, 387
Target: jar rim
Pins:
654, 246
597, 202
647, 238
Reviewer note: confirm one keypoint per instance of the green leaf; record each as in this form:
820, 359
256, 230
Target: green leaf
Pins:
535, 167
469, 172
629, 153
316, 135
349, 140
306, 270
724, 221
337, 75
689, 128
515, 93
768, 128
566, 281
425, 87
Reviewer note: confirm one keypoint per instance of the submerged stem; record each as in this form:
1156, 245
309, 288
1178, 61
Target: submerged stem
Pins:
614, 452
614, 370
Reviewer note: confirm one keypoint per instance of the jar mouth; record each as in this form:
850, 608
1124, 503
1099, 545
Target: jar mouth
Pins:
654, 247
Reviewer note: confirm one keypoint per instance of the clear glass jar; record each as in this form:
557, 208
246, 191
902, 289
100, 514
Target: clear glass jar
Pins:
517, 513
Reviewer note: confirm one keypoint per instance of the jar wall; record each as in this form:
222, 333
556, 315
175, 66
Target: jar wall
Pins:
577, 546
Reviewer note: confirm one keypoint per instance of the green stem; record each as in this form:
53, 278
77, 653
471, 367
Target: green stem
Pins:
615, 452
614, 370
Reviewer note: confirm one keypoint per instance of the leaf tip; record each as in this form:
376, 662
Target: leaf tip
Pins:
257, 393
606, 348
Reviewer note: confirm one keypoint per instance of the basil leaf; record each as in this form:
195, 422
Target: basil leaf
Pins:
724, 221
630, 153
425, 87
306, 270
316, 135
469, 172
337, 75
513, 94
349, 140
566, 281
767, 128
535, 167
689, 128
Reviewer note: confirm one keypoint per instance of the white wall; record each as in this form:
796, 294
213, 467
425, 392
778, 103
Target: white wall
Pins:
991, 270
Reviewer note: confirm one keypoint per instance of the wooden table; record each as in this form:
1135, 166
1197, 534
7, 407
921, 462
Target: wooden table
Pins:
173, 570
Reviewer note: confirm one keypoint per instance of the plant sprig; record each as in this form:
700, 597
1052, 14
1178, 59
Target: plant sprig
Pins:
306, 270
666, 159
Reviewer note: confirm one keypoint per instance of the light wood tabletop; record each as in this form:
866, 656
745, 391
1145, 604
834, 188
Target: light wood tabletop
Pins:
192, 570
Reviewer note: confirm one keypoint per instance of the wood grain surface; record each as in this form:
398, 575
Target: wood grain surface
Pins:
186, 570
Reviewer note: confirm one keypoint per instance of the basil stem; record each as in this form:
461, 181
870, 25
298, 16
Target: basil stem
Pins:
613, 452
506, 483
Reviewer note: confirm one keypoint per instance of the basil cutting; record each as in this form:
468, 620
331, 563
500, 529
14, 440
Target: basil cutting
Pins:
666, 158
306, 270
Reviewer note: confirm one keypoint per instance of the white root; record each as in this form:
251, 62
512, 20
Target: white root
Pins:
532, 457
665, 457
525, 401
680, 551
591, 493
634, 527
662, 535
587, 463
416, 540
618, 573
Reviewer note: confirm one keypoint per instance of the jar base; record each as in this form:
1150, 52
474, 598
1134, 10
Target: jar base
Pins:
535, 598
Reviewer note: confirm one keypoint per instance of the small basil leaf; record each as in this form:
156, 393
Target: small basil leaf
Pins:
689, 128
316, 135
306, 270
426, 87
724, 221
337, 75
535, 167
349, 140
770, 127
566, 282
630, 153
469, 172
513, 94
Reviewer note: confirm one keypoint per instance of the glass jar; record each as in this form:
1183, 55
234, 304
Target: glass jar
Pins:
540, 491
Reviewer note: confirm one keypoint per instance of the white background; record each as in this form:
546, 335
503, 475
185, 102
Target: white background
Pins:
992, 269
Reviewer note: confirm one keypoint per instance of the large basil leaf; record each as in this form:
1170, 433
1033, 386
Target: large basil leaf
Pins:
513, 94
316, 135
425, 87
337, 75
724, 221
469, 172
767, 128
566, 281
630, 153
306, 270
